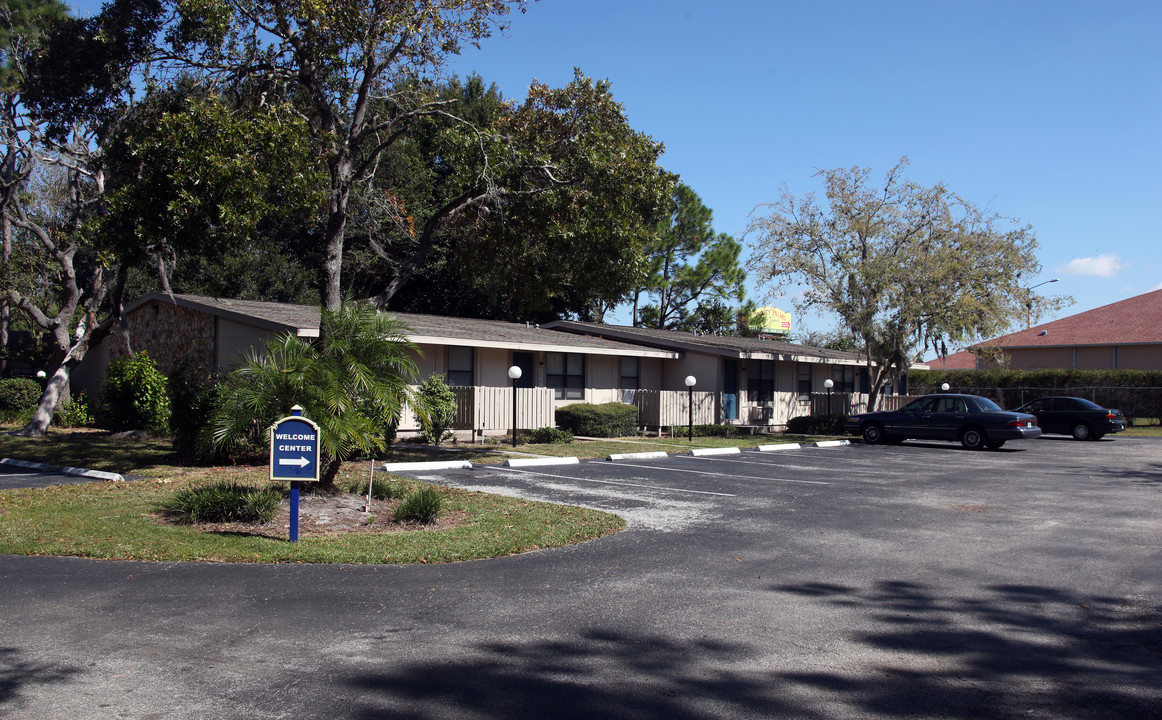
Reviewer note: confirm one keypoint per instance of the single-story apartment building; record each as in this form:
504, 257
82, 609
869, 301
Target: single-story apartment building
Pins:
754, 381
738, 380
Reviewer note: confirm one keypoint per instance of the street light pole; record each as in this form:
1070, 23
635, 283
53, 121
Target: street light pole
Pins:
828, 383
1029, 300
514, 372
690, 382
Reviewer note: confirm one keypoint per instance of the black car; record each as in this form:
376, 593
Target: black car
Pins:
1082, 419
975, 421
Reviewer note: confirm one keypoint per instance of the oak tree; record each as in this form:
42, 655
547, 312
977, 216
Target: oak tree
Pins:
906, 267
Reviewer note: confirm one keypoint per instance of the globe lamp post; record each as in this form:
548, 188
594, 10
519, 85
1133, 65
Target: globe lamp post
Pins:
828, 383
514, 373
691, 381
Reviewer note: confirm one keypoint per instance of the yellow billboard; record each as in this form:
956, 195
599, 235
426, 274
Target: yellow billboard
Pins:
771, 320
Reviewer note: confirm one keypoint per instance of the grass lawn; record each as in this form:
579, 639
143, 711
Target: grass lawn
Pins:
121, 520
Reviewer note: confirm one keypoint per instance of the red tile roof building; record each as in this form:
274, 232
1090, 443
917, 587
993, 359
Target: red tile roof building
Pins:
1126, 335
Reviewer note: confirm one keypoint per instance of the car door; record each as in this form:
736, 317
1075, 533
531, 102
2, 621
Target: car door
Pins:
948, 416
910, 421
1054, 416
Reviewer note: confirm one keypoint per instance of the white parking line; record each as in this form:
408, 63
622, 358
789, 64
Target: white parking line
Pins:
740, 477
615, 482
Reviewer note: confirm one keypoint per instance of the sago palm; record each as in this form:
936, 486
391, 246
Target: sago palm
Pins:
353, 381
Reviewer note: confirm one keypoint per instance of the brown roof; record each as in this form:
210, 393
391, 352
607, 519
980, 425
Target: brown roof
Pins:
1134, 321
963, 360
741, 347
303, 320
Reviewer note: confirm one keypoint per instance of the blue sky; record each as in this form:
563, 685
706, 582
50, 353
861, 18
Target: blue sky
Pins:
1046, 111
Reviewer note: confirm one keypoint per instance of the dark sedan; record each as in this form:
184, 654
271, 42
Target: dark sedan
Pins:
1082, 419
975, 421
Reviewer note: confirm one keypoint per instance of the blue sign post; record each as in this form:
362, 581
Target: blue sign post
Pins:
294, 456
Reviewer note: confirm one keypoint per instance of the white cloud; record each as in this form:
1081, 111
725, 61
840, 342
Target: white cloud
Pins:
1102, 266
1156, 287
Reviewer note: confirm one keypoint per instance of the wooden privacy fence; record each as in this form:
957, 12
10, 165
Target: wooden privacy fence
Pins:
663, 408
841, 403
490, 408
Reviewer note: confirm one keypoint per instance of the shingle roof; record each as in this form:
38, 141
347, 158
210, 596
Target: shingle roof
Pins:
303, 320
741, 347
963, 360
1133, 321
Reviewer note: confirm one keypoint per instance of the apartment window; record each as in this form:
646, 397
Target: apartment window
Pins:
844, 378
629, 373
804, 382
460, 370
565, 373
760, 381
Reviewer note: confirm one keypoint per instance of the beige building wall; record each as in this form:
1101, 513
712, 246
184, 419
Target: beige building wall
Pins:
1038, 358
1140, 357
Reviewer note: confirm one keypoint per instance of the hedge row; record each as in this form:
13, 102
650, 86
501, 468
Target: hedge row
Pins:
608, 420
1137, 393
817, 424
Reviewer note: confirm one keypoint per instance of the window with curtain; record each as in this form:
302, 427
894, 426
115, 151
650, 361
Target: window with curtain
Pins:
565, 373
760, 381
629, 373
460, 367
805, 382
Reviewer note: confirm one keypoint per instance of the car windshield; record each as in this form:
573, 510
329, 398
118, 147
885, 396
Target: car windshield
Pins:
987, 405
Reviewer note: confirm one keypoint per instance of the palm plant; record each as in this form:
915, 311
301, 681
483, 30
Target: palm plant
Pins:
353, 381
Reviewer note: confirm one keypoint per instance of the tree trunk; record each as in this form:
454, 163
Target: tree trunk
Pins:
56, 390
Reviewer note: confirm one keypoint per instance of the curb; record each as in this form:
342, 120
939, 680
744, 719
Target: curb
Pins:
831, 443
530, 462
778, 446
76, 472
699, 452
433, 465
638, 456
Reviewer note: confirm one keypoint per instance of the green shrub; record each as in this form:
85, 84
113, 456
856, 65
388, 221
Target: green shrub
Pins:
19, 394
817, 424
723, 430
384, 489
193, 390
550, 435
134, 397
437, 409
75, 413
224, 502
608, 420
421, 506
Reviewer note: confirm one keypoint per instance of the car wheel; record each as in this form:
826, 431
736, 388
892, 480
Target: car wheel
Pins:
873, 433
995, 444
1081, 431
973, 438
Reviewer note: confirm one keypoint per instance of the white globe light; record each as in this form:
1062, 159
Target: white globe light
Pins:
945, 387
691, 381
828, 383
41, 374
514, 372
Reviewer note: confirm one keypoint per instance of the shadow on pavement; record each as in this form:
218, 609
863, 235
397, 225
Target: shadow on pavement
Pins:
15, 673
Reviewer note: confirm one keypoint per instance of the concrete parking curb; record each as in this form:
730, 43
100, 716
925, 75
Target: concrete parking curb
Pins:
832, 443
433, 465
638, 456
530, 462
699, 452
778, 446
76, 472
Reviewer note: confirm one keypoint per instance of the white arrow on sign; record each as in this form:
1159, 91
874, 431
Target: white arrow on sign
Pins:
301, 461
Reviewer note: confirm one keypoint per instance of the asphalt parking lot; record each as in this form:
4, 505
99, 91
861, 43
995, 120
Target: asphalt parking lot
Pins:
919, 580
